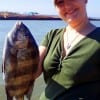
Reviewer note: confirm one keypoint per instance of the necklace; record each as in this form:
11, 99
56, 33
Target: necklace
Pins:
69, 44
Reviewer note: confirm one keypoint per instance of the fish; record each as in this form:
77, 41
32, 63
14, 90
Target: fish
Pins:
19, 62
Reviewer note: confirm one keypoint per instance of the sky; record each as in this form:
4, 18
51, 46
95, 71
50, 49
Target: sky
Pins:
44, 6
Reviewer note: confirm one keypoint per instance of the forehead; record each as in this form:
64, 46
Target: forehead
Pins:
55, 1
64, 0
73, 1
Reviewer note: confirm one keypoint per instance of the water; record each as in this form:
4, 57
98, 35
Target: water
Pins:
38, 28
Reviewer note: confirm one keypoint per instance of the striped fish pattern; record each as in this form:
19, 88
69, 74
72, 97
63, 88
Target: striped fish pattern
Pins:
20, 62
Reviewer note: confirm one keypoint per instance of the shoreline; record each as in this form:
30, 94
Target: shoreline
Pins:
27, 18
6, 15
38, 18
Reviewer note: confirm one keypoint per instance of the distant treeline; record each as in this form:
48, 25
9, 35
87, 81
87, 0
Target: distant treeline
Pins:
37, 18
28, 18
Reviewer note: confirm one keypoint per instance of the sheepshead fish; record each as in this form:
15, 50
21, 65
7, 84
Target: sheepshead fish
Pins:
20, 62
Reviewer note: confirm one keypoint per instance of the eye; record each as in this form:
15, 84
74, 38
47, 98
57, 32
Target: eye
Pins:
59, 2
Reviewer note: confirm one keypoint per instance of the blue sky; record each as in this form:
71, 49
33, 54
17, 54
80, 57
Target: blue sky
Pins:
44, 6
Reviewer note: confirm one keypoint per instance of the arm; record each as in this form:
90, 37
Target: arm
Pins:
42, 53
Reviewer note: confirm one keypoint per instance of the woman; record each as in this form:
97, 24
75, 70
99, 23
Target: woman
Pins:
70, 56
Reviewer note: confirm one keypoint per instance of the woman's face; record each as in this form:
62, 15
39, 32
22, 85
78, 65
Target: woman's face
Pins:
71, 11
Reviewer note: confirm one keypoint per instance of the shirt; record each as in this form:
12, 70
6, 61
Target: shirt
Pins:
81, 66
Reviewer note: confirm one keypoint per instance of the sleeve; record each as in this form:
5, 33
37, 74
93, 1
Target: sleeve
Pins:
48, 38
45, 41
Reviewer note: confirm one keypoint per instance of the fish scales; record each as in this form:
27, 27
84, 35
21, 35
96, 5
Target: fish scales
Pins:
20, 61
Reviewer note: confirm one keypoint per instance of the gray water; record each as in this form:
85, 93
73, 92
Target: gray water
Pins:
39, 28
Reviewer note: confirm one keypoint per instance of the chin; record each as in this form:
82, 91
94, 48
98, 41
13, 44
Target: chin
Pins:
69, 21
72, 21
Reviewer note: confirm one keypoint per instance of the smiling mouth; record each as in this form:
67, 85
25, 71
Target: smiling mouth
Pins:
71, 12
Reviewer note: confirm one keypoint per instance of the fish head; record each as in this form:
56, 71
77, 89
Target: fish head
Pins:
19, 36
22, 37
